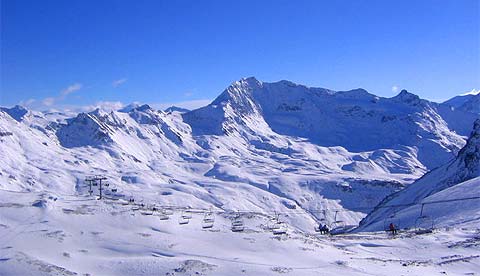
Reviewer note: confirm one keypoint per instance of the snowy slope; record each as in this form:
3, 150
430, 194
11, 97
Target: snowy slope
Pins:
435, 185
147, 153
176, 109
355, 120
469, 102
260, 151
257, 147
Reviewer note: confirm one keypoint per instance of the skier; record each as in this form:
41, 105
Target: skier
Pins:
392, 228
324, 229
320, 226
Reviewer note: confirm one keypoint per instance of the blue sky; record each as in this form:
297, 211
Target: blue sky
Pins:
69, 53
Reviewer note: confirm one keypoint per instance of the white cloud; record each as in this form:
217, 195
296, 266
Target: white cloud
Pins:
54, 104
27, 103
48, 101
71, 88
117, 83
395, 89
105, 105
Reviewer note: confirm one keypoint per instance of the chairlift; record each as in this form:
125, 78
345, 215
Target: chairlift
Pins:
148, 211
273, 224
208, 220
114, 190
184, 217
280, 228
168, 211
130, 201
162, 215
237, 224
424, 223
337, 224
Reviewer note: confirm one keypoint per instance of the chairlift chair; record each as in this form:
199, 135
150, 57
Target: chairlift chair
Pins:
168, 211
337, 224
148, 211
237, 224
208, 220
424, 223
184, 217
162, 215
280, 229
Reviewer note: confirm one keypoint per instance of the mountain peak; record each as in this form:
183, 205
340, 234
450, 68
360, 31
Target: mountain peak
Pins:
143, 108
129, 107
243, 83
176, 109
407, 97
17, 112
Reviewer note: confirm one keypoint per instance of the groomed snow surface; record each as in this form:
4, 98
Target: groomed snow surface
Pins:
43, 234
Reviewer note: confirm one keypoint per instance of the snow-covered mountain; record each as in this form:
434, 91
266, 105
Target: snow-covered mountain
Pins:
355, 119
469, 102
176, 109
263, 153
257, 147
450, 181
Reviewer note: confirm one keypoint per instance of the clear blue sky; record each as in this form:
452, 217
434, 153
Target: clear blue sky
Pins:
81, 52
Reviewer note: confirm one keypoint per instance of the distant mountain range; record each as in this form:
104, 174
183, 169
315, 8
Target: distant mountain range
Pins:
469, 102
258, 146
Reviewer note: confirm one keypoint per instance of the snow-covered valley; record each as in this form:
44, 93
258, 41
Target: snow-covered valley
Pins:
264, 154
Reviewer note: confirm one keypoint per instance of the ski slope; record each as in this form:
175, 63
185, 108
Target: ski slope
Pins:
266, 152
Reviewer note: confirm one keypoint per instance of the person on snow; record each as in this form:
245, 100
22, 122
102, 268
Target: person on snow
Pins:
392, 228
320, 226
324, 229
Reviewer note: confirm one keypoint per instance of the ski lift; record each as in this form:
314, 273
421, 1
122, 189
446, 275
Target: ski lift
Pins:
162, 215
114, 190
280, 228
424, 224
208, 220
337, 224
149, 211
184, 217
130, 201
237, 224
168, 211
